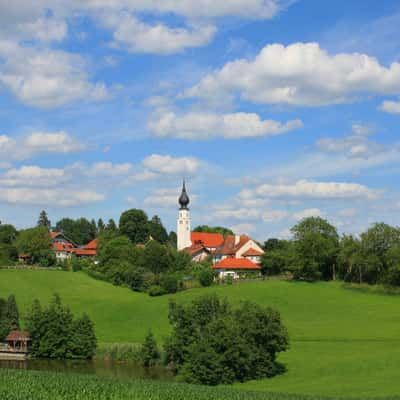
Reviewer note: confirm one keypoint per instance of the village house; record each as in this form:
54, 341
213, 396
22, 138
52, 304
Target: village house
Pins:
65, 248
233, 255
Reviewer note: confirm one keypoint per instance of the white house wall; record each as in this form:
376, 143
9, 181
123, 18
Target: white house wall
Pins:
251, 244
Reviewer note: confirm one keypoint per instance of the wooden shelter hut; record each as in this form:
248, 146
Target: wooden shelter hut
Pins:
18, 341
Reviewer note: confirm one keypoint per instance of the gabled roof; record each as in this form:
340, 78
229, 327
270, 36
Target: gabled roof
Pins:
195, 249
236, 263
66, 246
55, 234
18, 335
228, 247
207, 239
92, 245
252, 252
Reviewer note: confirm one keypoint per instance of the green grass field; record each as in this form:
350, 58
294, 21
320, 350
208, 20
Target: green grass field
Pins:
343, 342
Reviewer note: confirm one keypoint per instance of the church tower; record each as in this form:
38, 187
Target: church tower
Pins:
183, 230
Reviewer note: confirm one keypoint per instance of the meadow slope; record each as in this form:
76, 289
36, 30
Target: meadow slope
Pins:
343, 342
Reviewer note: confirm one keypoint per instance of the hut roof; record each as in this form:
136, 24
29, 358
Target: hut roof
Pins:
18, 336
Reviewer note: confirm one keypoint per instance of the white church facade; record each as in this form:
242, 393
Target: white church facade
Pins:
233, 255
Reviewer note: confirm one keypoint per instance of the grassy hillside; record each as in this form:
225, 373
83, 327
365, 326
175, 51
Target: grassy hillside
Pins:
343, 342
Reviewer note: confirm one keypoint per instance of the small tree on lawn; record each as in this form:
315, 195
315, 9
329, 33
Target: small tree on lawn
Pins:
149, 353
9, 317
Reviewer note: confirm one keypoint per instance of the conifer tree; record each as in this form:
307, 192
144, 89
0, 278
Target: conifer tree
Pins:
111, 226
100, 226
9, 317
149, 353
83, 338
44, 220
11, 313
3, 333
34, 325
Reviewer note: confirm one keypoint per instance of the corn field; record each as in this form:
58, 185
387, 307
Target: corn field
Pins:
33, 385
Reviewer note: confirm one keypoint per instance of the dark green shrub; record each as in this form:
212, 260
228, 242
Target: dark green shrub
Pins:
149, 353
156, 290
169, 283
206, 276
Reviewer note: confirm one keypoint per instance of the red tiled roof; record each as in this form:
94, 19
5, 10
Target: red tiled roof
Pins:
91, 245
84, 252
236, 263
195, 249
229, 247
252, 252
62, 246
58, 246
18, 335
207, 239
55, 234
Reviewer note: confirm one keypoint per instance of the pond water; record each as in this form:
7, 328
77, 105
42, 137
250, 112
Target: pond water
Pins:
104, 368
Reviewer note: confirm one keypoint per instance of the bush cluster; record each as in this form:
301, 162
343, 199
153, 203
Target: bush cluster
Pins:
55, 333
213, 343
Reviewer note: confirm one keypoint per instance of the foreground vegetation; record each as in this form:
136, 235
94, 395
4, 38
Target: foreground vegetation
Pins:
26, 385
342, 342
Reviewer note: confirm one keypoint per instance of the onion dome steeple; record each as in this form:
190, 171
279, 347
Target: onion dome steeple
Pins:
184, 198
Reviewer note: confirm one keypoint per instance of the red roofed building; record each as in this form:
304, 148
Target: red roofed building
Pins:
65, 248
201, 244
92, 245
209, 240
235, 267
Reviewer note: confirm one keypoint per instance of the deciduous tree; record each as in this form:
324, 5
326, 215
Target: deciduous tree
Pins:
134, 224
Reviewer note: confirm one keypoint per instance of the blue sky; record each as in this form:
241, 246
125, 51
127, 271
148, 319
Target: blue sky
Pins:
272, 110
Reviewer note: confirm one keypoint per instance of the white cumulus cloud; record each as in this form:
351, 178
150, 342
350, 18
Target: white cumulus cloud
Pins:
25, 147
158, 38
300, 74
202, 125
304, 189
392, 107
166, 164
46, 78
52, 197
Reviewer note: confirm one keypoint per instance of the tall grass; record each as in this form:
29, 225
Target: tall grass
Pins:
118, 352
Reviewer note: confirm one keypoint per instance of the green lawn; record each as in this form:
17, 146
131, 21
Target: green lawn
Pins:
343, 342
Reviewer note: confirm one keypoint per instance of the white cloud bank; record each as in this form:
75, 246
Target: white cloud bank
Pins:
38, 143
138, 37
304, 189
41, 76
53, 197
46, 78
201, 125
166, 164
300, 74
355, 145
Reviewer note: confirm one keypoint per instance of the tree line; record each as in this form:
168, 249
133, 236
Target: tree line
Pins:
318, 252
35, 243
